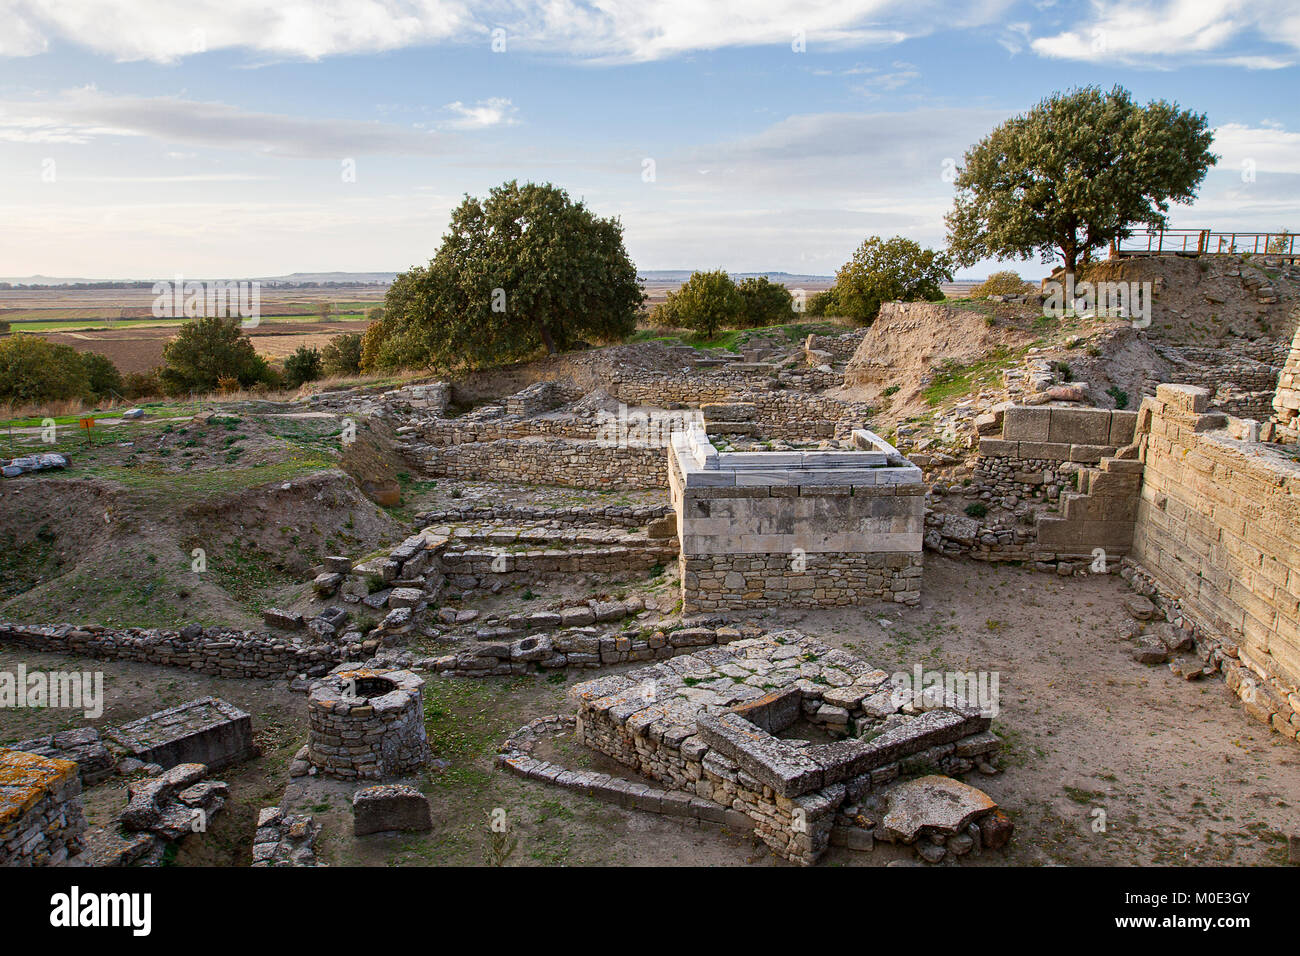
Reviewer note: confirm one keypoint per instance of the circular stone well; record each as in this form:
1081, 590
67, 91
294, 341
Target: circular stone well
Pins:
367, 724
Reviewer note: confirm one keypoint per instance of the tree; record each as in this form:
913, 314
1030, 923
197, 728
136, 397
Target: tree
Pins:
33, 370
304, 365
888, 270
706, 302
342, 354
207, 349
823, 303
527, 268
765, 301
1074, 173
102, 375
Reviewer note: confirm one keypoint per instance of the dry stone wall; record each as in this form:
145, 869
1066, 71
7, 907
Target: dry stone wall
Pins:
1218, 528
41, 817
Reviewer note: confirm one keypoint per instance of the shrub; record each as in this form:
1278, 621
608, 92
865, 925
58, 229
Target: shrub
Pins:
765, 302
304, 365
1005, 282
889, 270
206, 350
141, 384
102, 374
976, 509
1120, 396
34, 370
342, 354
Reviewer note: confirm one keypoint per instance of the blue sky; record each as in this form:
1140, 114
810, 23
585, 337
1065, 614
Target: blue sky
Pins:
141, 138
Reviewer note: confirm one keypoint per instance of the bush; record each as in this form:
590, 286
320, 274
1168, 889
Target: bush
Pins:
33, 370
141, 384
823, 304
342, 354
1005, 282
976, 509
304, 365
707, 302
206, 350
104, 378
1120, 396
765, 302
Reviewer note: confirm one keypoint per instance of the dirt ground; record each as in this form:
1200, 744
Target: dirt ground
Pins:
1183, 776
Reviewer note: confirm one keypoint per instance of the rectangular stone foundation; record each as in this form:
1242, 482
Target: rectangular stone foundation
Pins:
796, 529
207, 731
827, 579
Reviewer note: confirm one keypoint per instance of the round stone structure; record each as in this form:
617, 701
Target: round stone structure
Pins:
367, 724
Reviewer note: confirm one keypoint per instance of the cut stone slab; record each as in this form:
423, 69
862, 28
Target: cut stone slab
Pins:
285, 620
1139, 606
1150, 650
390, 807
404, 597
205, 731
934, 803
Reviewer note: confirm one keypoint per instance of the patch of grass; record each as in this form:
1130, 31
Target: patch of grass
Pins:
953, 380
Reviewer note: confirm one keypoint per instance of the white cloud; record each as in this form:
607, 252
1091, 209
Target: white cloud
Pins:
1146, 32
496, 111
1269, 149
638, 30
83, 115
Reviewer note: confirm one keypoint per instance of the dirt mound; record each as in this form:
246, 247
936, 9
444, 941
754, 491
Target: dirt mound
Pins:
909, 340
1206, 301
585, 370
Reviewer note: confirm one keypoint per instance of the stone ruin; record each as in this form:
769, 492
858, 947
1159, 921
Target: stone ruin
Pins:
728, 729
797, 528
367, 724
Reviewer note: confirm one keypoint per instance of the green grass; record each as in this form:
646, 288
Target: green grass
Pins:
953, 380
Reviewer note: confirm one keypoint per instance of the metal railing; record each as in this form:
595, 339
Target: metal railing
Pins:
1206, 242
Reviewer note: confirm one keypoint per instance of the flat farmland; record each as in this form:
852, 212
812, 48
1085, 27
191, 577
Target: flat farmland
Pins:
140, 348
120, 323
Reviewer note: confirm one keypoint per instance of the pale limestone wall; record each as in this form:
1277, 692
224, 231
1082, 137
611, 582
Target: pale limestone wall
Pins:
1218, 528
775, 544
1286, 402
550, 461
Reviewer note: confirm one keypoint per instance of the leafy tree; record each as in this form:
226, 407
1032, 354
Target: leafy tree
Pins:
888, 270
526, 268
706, 302
1074, 173
304, 365
1282, 242
102, 375
765, 301
1005, 282
34, 370
142, 384
823, 304
342, 354
206, 350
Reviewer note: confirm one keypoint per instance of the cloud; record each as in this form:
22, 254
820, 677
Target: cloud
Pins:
497, 111
1145, 33
83, 115
635, 30
1267, 149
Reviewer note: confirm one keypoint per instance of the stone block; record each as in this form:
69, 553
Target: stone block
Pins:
1026, 423
390, 807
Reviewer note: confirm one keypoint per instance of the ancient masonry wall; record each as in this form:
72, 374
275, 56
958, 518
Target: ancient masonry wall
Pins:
552, 461
732, 759
1286, 402
1218, 528
767, 540
215, 650
41, 817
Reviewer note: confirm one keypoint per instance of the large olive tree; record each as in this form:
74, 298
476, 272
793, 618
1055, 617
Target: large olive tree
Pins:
524, 269
1077, 171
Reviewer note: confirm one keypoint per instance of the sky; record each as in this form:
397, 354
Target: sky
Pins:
241, 138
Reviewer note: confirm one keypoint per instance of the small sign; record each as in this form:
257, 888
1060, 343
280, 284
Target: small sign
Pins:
86, 423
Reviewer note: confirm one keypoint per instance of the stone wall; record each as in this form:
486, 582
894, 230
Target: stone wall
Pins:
1286, 403
806, 531
41, 818
367, 724
219, 651
1218, 528
549, 461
